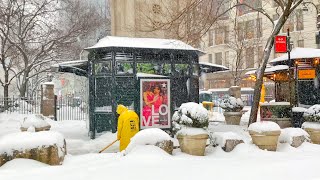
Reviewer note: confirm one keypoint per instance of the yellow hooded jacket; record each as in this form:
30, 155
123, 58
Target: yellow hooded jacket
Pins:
128, 125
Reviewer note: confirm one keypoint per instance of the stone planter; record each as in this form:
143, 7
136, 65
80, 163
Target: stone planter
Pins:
314, 135
193, 144
265, 140
232, 118
282, 122
45, 128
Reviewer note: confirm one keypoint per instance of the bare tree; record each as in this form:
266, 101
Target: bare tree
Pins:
285, 8
38, 30
186, 20
243, 43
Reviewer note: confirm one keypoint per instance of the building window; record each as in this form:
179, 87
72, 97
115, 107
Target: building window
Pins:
218, 36
299, 17
221, 35
218, 58
210, 38
249, 29
240, 31
289, 24
226, 59
249, 57
226, 34
300, 43
259, 27
260, 55
210, 58
241, 10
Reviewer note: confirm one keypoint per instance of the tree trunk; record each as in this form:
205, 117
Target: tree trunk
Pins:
6, 91
23, 89
259, 81
6, 96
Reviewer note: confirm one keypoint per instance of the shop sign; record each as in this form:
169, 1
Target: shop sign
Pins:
306, 73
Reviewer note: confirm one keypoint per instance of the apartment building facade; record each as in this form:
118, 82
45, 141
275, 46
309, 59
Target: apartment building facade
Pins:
238, 40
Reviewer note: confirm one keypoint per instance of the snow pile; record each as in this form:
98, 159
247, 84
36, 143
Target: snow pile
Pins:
311, 125
23, 164
191, 114
232, 104
299, 109
28, 140
220, 138
35, 120
264, 126
149, 136
287, 134
191, 131
312, 114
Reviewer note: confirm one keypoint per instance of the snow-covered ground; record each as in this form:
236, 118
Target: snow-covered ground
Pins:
83, 161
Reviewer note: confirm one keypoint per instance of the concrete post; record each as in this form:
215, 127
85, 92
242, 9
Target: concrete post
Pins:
47, 99
235, 91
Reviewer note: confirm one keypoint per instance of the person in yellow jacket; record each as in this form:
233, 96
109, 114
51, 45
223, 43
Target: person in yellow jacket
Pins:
128, 125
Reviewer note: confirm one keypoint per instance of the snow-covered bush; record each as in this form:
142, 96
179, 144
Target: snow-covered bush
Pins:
191, 115
312, 114
232, 104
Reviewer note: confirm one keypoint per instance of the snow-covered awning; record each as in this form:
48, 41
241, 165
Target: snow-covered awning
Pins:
79, 67
210, 67
298, 53
145, 43
270, 70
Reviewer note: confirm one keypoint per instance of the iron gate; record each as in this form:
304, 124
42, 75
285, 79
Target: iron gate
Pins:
71, 108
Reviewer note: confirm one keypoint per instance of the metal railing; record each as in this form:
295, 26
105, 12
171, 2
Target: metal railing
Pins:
20, 105
71, 109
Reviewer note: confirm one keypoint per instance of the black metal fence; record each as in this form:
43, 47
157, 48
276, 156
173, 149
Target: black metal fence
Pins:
20, 105
71, 108
66, 108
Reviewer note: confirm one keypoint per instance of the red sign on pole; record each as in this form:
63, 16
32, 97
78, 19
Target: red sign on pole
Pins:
280, 44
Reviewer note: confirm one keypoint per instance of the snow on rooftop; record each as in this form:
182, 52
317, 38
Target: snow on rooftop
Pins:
213, 65
299, 53
70, 63
270, 69
149, 43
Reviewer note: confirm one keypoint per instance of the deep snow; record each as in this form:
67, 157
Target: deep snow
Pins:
84, 162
